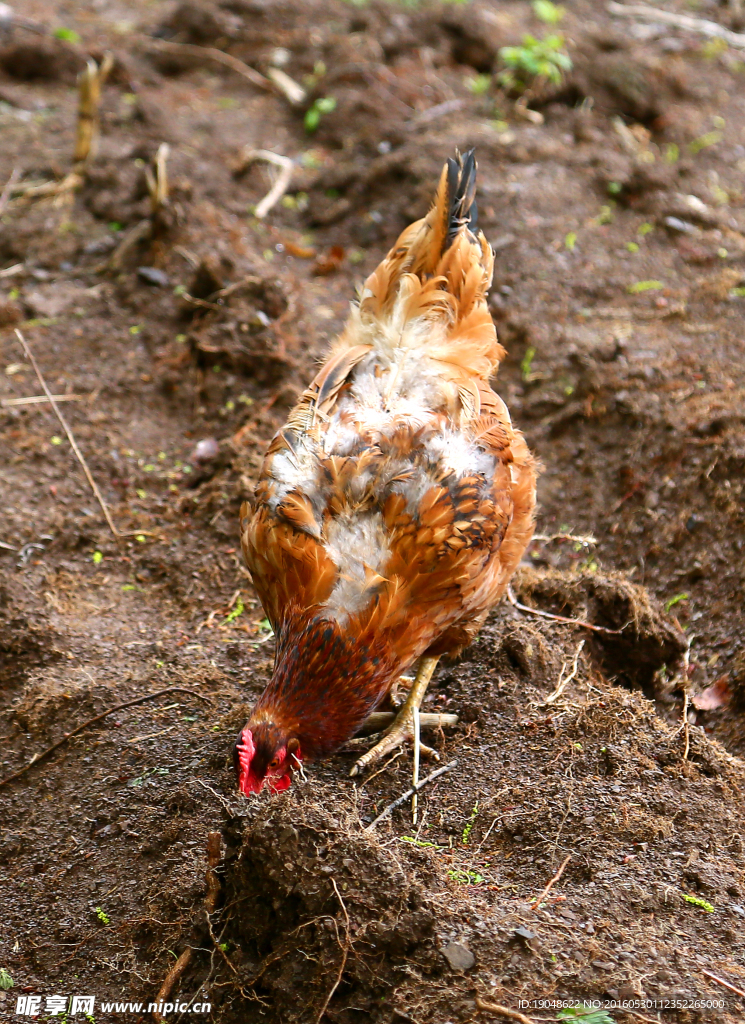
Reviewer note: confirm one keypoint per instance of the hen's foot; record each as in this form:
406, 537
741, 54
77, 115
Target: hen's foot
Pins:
402, 729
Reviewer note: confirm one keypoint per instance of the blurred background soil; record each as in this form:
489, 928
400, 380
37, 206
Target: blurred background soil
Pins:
180, 337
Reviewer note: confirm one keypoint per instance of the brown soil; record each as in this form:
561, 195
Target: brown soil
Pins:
630, 172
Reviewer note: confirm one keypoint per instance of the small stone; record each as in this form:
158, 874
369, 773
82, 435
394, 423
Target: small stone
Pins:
205, 450
459, 956
524, 933
154, 276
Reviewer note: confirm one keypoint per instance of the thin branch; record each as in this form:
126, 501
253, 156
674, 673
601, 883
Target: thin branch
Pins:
70, 437
211, 53
38, 758
721, 981
684, 21
562, 684
556, 618
345, 954
552, 882
504, 1011
410, 792
380, 720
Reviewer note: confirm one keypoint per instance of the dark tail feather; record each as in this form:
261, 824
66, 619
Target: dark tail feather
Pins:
462, 211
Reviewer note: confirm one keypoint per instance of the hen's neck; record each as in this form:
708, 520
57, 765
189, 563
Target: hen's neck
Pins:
325, 683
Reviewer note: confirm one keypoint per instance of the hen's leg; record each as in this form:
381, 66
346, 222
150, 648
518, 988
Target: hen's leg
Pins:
402, 728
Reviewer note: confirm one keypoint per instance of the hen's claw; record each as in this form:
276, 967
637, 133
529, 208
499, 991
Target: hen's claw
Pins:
401, 729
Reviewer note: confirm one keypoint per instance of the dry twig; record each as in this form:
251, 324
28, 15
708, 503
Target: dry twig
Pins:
684, 21
552, 882
721, 981
504, 1011
556, 618
211, 53
410, 792
380, 720
292, 91
38, 758
214, 856
70, 437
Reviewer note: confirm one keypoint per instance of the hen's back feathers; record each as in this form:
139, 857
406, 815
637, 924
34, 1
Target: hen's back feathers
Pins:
398, 499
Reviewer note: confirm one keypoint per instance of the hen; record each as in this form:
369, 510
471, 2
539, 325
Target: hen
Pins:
393, 506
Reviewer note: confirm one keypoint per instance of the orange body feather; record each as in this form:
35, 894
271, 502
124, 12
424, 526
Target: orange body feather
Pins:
397, 501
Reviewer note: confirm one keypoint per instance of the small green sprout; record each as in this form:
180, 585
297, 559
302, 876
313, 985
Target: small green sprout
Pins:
102, 916
470, 824
526, 363
570, 240
632, 246
55, 440
586, 1014
644, 229
97, 558
236, 611
419, 842
67, 35
696, 901
466, 877
675, 600
548, 12
478, 84
314, 113
535, 59
672, 153
644, 286
704, 141
6, 981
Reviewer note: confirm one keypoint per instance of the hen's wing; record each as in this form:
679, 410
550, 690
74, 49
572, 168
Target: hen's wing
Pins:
398, 499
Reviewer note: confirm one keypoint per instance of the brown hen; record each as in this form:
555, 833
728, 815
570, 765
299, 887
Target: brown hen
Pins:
394, 505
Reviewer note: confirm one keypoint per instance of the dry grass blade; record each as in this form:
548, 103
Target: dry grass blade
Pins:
90, 83
415, 774
157, 179
10, 403
280, 186
70, 437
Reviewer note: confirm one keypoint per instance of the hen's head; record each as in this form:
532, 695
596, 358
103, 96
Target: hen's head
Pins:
265, 753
